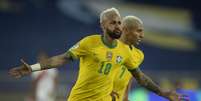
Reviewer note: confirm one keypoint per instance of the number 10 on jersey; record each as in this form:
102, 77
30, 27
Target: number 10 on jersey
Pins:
105, 68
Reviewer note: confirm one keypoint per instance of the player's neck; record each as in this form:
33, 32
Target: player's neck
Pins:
109, 41
122, 39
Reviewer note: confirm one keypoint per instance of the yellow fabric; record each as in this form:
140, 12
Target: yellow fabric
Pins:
98, 66
123, 76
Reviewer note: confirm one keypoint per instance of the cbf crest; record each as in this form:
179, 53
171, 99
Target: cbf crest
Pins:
119, 59
109, 55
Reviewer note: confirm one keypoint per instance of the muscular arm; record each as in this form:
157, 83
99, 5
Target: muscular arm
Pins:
145, 81
53, 62
56, 61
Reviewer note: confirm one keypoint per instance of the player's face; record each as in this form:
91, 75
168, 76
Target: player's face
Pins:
112, 27
134, 35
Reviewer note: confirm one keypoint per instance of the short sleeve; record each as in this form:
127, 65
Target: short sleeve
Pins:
130, 62
135, 58
140, 57
80, 49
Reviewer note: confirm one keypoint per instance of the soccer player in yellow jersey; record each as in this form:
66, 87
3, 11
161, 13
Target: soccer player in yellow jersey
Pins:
100, 57
132, 34
123, 78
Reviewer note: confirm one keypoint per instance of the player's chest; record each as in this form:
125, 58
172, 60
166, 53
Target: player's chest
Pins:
110, 55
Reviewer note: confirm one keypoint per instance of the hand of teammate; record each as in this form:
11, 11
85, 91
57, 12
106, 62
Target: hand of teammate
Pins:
20, 71
173, 96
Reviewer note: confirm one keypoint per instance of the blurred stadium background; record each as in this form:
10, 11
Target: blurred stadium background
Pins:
172, 43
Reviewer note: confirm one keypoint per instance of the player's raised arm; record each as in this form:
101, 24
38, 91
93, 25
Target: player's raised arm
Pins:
75, 52
52, 62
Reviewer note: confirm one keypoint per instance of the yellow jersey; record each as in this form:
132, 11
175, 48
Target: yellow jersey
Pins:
123, 76
98, 66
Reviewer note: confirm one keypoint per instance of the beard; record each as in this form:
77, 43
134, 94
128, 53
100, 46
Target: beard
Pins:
114, 35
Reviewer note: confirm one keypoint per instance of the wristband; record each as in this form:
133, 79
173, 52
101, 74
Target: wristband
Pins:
35, 67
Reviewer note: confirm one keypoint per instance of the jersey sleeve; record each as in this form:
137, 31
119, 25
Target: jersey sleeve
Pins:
141, 57
134, 61
130, 62
79, 49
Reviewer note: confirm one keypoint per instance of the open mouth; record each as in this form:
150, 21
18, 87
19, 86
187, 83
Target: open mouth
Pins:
117, 31
139, 40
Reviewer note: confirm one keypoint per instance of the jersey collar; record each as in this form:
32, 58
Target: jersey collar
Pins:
113, 45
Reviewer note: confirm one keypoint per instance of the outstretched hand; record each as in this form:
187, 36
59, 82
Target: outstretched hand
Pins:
18, 72
173, 96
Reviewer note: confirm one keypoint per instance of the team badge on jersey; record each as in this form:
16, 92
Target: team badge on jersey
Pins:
119, 59
109, 55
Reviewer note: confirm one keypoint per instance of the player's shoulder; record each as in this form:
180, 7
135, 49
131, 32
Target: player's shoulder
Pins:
90, 41
91, 38
123, 45
138, 51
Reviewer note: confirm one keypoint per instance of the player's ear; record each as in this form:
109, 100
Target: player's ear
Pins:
102, 25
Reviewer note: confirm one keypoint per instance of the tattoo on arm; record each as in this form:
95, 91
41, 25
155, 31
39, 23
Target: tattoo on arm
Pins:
56, 61
145, 81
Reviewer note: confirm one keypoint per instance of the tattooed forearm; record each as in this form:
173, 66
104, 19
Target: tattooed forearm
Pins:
145, 81
55, 61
